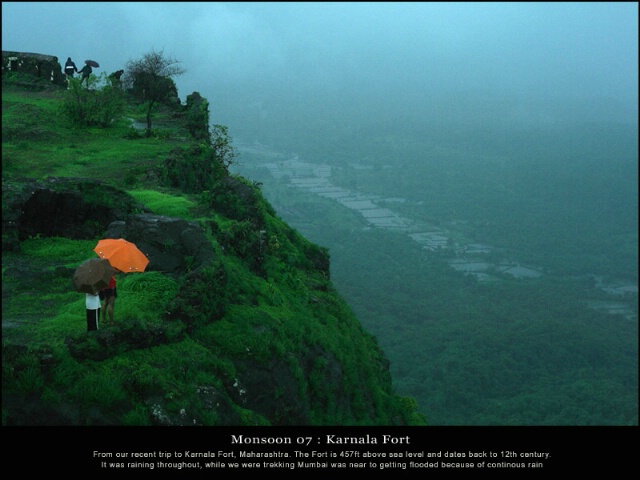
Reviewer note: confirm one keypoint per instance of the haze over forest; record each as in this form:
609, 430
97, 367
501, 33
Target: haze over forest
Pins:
472, 62
508, 125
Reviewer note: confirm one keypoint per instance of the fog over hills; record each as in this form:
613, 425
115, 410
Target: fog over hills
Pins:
349, 62
512, 125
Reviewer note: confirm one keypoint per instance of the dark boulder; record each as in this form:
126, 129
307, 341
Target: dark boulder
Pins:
60, 207
174, 246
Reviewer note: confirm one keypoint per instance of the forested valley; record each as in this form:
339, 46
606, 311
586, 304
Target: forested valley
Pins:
481, 348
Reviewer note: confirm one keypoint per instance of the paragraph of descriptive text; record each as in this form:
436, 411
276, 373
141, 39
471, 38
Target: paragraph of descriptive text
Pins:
321, 460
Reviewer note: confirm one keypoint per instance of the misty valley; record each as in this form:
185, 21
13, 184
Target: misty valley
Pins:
476, 259
412, 226
496, 266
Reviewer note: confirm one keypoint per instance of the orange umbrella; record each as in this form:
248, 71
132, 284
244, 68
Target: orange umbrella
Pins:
123, 255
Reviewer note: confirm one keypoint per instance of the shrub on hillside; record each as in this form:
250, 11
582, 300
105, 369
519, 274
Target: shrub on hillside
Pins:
202, 298
193, 169
198, 116
93, 105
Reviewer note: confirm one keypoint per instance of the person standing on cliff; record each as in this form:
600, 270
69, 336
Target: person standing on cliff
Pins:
109, 295
69, 69
86, 71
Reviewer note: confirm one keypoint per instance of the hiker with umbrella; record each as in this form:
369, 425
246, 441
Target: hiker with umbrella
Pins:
87, 70
123, 256
93, 311
109, 295
89, 278
96, 277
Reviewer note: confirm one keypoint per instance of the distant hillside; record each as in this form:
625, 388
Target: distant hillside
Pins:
234, 322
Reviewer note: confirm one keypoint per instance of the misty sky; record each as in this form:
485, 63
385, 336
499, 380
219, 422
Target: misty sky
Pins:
557, 51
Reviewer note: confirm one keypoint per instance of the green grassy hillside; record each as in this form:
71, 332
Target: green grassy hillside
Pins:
240, 344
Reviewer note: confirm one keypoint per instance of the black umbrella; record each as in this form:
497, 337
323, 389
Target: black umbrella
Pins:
93, 275
92, 63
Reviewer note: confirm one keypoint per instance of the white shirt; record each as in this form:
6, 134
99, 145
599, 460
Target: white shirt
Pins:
93, 301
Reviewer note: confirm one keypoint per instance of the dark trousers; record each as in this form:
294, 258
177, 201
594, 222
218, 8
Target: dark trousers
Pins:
92, 319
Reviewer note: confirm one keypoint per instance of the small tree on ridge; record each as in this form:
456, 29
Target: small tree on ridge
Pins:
151, 76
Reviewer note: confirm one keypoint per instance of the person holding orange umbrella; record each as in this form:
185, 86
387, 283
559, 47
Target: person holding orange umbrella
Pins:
109, 295
125, 257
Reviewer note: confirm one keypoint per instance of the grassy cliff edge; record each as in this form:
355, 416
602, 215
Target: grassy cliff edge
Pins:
259, 336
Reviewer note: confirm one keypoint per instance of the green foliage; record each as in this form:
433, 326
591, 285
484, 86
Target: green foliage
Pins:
39, 142
193, 169
150, 87
202, 296
150, 79
137, 417
250, 418
98, 388
238, 199
198, 116
73, 251
242, 239
548, 195
199, 168
222, 145
29, 379
133, 134
98, 106
143, 298
513, 352
165, 204
178, 345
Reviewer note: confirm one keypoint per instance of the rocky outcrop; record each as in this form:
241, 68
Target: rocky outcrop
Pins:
44, 67
198, 116
83, 209
173, 245
60, 207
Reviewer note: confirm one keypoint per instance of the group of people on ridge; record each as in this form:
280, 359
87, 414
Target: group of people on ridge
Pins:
70, 69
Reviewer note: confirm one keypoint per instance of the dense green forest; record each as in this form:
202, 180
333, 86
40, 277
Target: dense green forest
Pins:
516, 351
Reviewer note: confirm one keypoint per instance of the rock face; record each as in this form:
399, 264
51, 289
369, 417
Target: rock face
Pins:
82, 209
44, 67
64, 207
198, 116
174, 246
